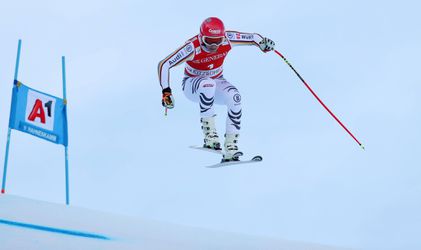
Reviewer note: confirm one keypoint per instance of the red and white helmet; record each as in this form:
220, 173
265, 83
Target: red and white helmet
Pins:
212, 31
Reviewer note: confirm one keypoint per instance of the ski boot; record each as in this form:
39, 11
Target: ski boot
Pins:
211, 139
231, 149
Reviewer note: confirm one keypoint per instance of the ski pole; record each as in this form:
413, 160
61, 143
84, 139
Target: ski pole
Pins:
318, 99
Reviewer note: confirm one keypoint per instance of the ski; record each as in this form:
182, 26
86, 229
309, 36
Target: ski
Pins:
255, 159
221, 152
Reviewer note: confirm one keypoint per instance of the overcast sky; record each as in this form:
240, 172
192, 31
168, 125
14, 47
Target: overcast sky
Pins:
315, 183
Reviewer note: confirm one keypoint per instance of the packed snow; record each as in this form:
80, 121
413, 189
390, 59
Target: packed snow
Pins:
37, 225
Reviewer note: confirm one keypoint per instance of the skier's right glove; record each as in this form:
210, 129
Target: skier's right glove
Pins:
167, 98
266, 45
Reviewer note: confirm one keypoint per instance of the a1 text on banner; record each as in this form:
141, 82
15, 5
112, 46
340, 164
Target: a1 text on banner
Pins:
38, 114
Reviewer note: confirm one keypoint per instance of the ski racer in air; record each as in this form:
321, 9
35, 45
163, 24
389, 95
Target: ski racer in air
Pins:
205, 84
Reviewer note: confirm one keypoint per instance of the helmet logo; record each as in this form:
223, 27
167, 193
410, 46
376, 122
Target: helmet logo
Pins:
214, 31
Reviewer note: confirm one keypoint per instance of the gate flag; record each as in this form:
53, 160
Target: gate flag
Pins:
38, 114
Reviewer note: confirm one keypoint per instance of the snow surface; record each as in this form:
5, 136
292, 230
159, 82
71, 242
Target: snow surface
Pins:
42, 225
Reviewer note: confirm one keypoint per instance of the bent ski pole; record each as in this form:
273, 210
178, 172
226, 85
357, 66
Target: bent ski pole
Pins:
318, 99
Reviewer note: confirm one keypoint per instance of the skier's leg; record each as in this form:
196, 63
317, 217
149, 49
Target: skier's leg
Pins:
202, 90
228, 94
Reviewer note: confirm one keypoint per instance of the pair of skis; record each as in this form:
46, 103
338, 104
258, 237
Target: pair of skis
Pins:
254, 159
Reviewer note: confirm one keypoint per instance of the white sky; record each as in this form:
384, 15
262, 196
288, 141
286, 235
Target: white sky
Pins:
315, 183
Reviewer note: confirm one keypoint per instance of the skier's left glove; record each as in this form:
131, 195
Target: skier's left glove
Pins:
267, 45
167, 98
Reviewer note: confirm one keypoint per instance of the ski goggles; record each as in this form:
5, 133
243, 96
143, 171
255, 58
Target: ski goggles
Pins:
208, 40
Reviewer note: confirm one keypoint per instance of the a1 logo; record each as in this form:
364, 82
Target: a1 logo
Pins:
40, 110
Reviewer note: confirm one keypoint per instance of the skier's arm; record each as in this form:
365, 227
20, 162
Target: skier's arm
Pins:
240, 38
182, 54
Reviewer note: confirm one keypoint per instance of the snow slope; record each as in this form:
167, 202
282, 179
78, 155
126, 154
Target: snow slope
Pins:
30, 224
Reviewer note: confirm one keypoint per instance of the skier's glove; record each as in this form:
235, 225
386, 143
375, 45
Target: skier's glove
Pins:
167, 98
266, 45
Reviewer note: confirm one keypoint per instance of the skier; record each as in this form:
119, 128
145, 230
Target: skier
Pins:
204, 82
